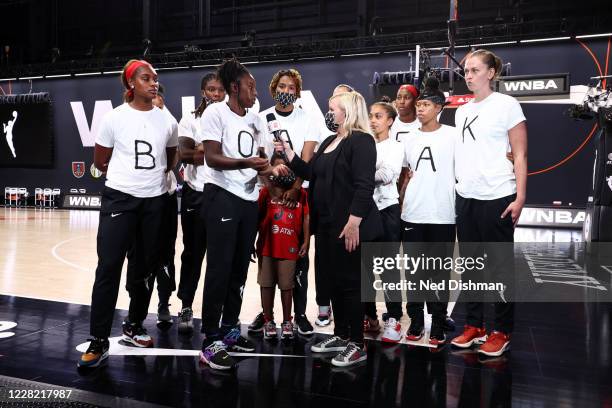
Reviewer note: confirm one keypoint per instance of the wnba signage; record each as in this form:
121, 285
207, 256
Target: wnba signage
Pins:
552, 217
534, 85
82, 201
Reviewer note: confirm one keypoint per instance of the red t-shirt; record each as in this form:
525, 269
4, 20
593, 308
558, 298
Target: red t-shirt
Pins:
280, 228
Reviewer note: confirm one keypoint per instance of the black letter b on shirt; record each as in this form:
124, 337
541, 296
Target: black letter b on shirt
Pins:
146, 151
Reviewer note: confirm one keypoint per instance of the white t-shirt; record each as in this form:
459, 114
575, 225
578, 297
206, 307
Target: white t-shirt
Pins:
400, 130
430, 195
139, 140
240, 138
482, 169
298, 128
389, 159
189, 126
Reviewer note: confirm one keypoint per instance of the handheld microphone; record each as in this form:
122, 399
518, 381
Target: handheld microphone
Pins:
275, 128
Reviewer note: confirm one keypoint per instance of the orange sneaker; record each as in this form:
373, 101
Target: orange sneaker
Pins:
471, 335
496, 344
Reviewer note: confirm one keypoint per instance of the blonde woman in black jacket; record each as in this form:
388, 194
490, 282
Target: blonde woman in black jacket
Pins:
343, 215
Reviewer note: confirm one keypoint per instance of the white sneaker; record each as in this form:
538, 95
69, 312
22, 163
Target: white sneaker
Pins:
324, 319
393, 331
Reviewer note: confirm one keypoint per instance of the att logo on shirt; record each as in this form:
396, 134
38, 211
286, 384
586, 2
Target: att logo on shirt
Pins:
282, 230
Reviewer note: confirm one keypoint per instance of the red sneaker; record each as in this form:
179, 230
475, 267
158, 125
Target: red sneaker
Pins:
471, 335
496, 344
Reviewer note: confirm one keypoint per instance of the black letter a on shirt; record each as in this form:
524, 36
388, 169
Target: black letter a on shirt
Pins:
137, 153
428, 157
468, 128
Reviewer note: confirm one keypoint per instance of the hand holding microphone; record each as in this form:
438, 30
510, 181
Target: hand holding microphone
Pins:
280, 145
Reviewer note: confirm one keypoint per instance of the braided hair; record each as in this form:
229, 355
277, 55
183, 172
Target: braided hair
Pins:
230, 71
205, 80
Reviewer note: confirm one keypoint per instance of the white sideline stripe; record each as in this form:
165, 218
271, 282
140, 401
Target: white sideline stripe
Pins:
118, 349
62, 260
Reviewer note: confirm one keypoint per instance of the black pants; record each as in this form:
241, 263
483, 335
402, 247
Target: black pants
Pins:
480, 221
391, 222
231, 227
322, 281
125, 221
343, 269
442, 239
300, 290
166, 283
194, 243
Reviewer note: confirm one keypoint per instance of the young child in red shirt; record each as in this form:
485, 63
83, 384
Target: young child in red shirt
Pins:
278, 248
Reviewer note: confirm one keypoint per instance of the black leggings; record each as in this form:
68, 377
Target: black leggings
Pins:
442, 239
125, 221
194, 243
391, 226
343, 270
231, 227
480, 221
166, 283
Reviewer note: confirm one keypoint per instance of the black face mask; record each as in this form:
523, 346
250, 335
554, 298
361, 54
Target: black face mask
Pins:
285, 98
330, 122
283, 181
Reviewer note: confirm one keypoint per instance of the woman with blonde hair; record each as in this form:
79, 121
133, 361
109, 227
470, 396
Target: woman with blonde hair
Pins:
343, 215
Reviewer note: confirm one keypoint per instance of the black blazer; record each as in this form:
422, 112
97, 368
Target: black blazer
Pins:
352, 184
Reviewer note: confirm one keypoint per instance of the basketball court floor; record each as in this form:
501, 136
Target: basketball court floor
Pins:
561, 354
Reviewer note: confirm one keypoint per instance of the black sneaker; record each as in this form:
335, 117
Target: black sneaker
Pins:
304, 326
164, 318
137, 335
96, 353
185, 321
449, 324
416, 330
437, 337
236, 342
351, 355
258, 324
216, 356
333, 343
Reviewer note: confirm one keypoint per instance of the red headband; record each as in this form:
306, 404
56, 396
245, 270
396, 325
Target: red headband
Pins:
131, 69
410, 88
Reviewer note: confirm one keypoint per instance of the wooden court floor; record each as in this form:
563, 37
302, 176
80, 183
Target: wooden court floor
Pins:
51, 255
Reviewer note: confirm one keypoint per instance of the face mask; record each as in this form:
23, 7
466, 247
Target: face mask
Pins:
330, 122
283, 181
285, 99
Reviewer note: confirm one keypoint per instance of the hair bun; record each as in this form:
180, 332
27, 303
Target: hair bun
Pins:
432, 83
385, 98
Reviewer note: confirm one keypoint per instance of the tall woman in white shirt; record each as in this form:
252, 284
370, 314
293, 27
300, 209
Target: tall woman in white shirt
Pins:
233, 147
132, 146
191, 154
490, 189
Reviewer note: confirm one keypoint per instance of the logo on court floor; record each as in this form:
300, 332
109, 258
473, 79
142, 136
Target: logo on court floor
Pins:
78, 169
95, 173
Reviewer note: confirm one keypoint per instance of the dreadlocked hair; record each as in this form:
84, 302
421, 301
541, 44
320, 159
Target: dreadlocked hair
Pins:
230, 71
